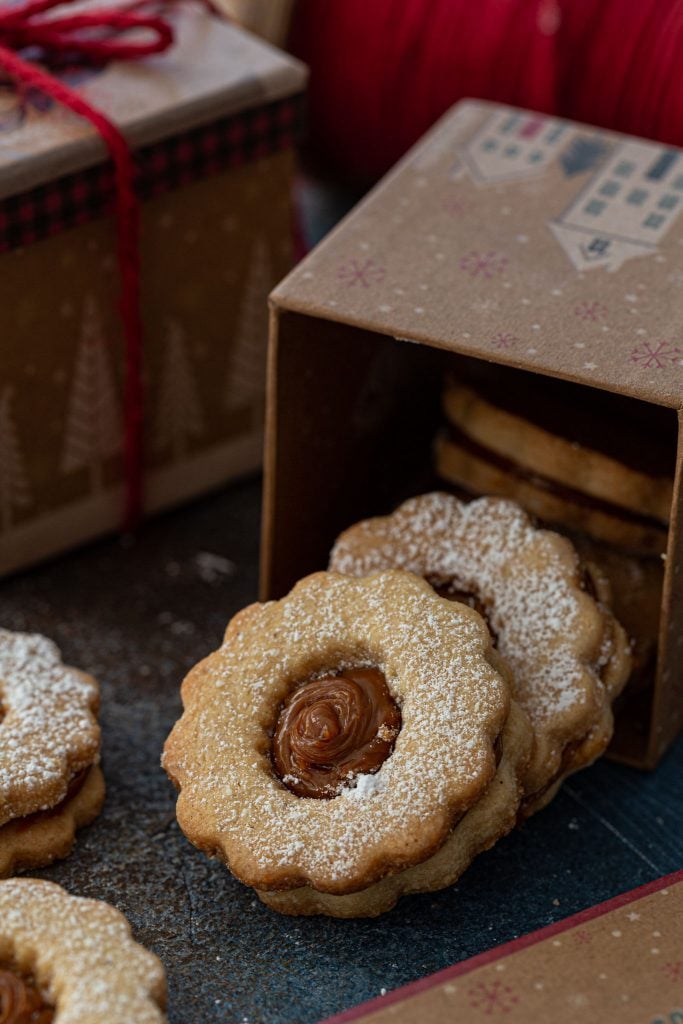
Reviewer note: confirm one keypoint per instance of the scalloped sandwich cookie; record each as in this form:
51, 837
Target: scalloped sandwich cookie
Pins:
50, 780
69, 960
350, 743
548, 614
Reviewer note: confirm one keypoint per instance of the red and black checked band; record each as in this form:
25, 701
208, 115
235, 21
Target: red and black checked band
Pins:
86, 195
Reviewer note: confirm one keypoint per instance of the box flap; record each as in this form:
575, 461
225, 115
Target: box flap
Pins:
526, 240
215, 69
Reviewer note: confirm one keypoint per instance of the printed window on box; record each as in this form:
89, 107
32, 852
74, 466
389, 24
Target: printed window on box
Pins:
637, 197
625, 168
668, 202
595, 206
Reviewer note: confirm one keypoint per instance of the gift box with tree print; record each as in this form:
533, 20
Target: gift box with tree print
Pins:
211, 123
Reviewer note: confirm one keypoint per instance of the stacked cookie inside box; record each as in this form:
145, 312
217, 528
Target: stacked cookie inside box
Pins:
372, 732
588, 468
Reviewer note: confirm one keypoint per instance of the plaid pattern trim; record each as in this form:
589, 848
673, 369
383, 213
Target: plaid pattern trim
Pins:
179, 160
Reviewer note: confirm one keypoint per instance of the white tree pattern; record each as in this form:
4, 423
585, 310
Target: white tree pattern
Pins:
179, 414
246, 381
14, 488
93, 427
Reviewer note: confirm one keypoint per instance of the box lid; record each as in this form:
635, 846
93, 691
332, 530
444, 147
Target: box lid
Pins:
526, 240
214, 70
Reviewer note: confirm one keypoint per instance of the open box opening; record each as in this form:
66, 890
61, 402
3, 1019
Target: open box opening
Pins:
355, 425
487, 256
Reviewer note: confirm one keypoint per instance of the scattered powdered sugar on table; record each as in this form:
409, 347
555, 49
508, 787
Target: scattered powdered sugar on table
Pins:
82, 953
48, 731
433, 654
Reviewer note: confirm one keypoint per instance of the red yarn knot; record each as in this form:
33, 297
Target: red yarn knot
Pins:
82, 33
97, 36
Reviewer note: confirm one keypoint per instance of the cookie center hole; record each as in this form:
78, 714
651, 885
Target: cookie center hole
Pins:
332, 729
452, 592
20, 999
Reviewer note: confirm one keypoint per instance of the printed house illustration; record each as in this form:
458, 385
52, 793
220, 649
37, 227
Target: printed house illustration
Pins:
625, 209
512, 145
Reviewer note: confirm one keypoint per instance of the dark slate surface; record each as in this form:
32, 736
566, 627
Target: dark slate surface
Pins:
137, 616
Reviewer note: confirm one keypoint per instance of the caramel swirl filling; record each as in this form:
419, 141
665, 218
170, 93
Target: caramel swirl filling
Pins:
332, 729
20, 1000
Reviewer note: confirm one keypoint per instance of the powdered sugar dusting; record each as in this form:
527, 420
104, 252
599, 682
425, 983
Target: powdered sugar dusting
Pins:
433, 654
82, 955
549, 631
365, 786
48, 731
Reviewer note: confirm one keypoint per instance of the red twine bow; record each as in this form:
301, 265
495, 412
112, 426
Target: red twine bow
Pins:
96, 37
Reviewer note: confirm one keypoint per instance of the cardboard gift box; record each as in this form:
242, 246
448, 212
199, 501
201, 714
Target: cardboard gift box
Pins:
211, 123
588, 965
510, 245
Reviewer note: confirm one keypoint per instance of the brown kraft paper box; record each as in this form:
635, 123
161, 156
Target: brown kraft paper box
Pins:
504, 241
618, 963
211, 123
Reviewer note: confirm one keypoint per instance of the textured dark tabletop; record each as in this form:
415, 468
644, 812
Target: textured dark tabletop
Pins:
139, 614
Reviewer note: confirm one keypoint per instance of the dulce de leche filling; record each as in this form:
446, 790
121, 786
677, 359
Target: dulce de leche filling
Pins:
332, 729
20, 1000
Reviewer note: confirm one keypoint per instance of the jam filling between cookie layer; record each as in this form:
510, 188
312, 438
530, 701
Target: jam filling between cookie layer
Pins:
332, 729
20, 1000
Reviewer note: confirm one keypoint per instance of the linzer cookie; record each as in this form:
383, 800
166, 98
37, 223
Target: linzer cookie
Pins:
568, 655
348, 743
67, 959
50, 781
550, 460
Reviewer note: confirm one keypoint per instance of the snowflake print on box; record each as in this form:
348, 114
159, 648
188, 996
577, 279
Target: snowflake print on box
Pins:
673, 971
656, 356
246, 380
492, 997
93, 427
483, 264
14, 489
365, 273
504, 340
179, 415
594, 311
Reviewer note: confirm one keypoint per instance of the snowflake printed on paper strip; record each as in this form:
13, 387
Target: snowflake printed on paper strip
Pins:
656, 356
366, 273
590, 311
492, 997
454, 206
504, 340
582, 937
483, 264
673, 971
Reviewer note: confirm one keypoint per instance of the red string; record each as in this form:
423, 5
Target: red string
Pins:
92, 36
